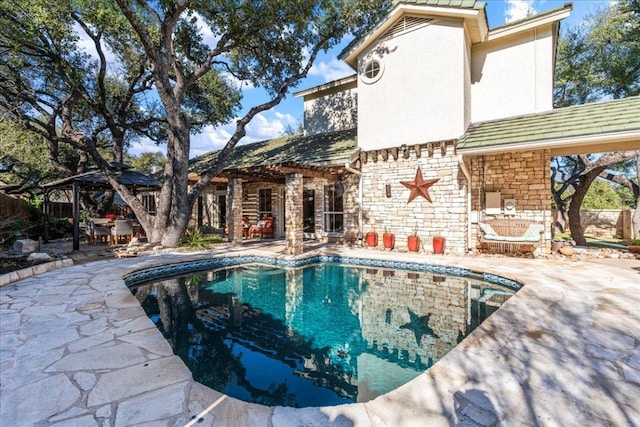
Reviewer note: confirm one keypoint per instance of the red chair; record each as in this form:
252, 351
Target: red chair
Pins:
264, 228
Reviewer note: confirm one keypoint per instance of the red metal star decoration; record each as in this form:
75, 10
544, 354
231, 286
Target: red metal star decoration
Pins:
419, 187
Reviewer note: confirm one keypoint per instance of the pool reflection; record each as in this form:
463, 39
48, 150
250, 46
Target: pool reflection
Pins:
320, 335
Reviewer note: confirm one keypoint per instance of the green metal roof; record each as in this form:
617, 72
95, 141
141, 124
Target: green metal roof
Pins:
599, 118
330, 149
467, 4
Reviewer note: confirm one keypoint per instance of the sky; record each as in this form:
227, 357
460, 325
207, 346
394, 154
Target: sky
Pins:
272, 123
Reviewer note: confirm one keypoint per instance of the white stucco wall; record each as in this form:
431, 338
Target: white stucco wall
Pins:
420, 96
513, 75
331, 111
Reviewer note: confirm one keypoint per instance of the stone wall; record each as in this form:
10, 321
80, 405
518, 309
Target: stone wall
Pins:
607, 223
446, 215
523, 176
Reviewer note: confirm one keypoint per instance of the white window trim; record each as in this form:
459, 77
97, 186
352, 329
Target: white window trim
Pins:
371, 80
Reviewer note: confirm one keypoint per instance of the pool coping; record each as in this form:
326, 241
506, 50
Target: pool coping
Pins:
499, 375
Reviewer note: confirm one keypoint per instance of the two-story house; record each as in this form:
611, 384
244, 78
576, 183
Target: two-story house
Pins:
435, 93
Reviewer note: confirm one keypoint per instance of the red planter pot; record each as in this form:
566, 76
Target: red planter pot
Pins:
438, 245
389, 240
372, 239
413, 242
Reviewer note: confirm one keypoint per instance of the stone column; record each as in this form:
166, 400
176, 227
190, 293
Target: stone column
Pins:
293, 213
234, 211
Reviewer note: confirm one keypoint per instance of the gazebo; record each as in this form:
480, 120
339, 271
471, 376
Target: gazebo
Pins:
95, 181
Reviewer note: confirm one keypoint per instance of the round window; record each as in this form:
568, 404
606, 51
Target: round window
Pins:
372, 71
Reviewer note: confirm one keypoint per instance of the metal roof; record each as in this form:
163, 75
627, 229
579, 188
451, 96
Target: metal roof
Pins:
620, 116
96, 180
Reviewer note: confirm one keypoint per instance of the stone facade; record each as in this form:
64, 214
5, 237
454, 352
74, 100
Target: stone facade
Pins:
523, 176
293, 209
234, 211
446, 216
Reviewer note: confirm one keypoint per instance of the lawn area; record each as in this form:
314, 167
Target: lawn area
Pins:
596, 242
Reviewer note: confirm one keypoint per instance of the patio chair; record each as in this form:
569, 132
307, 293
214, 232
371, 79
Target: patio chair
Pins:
264, 228
122, 229
96, 232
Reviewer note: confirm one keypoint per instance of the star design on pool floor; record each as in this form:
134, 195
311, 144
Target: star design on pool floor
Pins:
419, 325
419, 186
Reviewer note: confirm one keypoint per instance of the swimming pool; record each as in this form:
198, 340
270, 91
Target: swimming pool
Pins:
315, 335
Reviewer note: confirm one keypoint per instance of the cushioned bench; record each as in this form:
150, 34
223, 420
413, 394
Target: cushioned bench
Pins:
510, 234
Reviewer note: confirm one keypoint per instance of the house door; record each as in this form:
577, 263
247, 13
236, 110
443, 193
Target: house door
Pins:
308, 214
222, 210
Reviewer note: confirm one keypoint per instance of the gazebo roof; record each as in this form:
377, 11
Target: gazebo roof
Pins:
96, 180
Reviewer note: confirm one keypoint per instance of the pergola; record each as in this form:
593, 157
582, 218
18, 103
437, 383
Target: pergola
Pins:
95, 181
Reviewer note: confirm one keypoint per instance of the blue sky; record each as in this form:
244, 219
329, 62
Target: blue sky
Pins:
271, 124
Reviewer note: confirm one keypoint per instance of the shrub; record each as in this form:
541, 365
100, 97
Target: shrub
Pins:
193, 238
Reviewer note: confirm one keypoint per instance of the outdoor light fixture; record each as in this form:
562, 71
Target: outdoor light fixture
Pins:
387, 189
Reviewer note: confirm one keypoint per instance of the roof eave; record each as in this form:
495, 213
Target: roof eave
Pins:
326, 86
532, 22
561, 146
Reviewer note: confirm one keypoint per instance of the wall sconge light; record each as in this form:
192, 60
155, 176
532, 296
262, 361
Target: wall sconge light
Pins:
403, 147
387, 189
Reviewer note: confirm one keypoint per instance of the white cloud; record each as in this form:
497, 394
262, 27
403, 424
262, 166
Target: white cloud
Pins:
262, 127
207, 35
330, 70
146, 146
86, 43
266, 125
518, 9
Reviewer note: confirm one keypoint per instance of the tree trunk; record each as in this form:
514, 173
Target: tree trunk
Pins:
577, 233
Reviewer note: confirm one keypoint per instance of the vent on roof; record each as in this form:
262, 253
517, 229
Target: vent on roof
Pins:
406, 24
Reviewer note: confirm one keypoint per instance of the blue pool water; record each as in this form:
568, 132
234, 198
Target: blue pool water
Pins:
323, 334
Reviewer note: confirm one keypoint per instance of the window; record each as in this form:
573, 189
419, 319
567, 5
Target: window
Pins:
264, 202
333, 208
149, 203
372, 71
309, 211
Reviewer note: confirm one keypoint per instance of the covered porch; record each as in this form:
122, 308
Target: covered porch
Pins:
298, 183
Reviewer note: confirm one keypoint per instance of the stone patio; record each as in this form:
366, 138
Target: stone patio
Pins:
76, 349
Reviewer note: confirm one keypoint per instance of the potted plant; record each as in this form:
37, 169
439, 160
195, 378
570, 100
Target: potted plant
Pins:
413, 241
372, 239
438, 244
388, 239
634, 246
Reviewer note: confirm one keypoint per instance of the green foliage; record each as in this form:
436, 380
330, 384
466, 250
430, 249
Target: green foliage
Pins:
599, 58
96, 75
193, 238
145, 162
60, 227
602, 195
24, 157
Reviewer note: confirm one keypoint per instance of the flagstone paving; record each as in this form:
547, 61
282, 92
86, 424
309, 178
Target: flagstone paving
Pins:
76, 349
